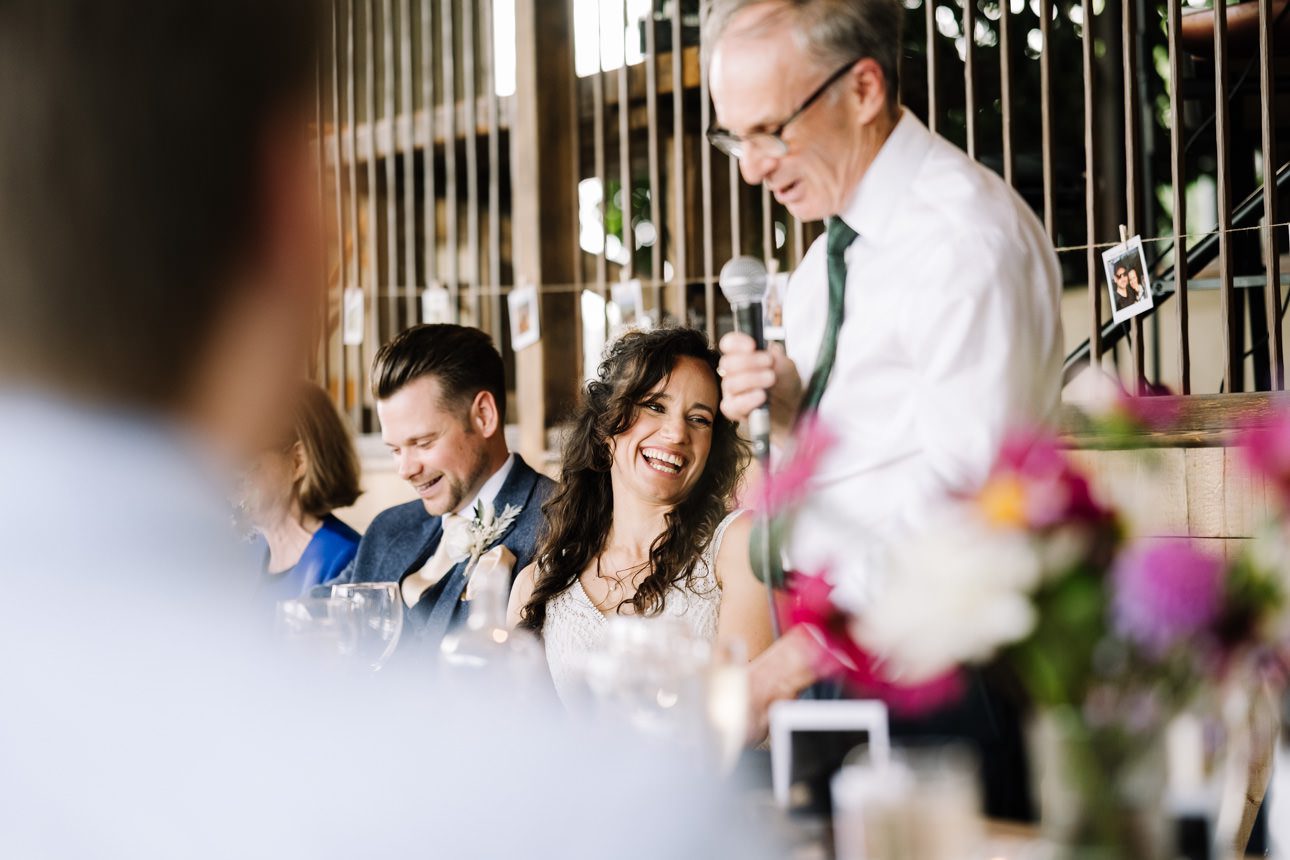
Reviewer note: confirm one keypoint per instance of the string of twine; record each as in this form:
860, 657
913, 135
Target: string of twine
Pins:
405, 292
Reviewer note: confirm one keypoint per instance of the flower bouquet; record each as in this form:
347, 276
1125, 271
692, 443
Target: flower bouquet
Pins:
1110, 635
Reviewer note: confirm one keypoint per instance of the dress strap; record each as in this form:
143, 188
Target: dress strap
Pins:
714, 545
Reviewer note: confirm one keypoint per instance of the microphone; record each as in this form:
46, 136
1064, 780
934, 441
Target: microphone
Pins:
743, 283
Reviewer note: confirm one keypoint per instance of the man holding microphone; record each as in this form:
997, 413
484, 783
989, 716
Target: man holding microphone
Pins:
922, 325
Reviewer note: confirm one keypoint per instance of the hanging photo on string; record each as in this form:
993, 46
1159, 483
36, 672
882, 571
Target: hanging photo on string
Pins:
1127, 280
522, 302
776, 287
627, 308
436, 305
353, 307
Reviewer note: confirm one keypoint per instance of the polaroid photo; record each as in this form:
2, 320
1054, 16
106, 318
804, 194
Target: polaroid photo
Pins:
436, 305
353, 307
627, 308
525, 326
773, 322
810, 738
1126, 279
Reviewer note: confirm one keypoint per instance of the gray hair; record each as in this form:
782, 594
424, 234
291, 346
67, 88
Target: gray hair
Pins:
830, 31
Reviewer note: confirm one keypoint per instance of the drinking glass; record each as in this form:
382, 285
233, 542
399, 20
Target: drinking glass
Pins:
378, 616
318, 627
728, 701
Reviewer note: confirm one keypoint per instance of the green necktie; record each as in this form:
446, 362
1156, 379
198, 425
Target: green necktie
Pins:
839, 239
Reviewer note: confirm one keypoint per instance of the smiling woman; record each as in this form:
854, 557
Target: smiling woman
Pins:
636, 526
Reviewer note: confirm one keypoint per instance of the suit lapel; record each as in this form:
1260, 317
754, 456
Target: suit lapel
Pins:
428, 544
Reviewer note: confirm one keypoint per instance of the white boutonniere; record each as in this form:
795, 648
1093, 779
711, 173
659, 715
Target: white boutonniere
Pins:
476, 535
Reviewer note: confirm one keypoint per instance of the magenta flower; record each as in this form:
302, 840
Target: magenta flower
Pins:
1164, 592
789, 484
1267, 453
1053, 491
811, 605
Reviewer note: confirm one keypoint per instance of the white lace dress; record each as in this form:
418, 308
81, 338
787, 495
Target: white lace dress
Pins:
575, 628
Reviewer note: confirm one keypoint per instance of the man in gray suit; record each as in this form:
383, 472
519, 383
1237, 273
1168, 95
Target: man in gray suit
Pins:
441, 397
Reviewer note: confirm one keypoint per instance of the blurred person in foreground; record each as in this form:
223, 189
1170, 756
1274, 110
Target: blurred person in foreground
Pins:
158, 256
291, 489
641, 522
921, 326
440, 393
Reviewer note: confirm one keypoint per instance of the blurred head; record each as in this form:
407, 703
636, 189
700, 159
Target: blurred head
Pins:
312, 470
1134, 281
1121, 278
767, 57
159, 247
441, 393
649, 425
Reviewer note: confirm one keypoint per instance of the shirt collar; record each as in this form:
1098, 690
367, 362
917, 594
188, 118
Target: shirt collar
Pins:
493, 486
888, 178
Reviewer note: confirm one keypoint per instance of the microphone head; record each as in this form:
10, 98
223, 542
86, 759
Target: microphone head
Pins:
743, 281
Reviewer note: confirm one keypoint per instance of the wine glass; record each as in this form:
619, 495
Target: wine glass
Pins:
317, 627
378, 616
728, 700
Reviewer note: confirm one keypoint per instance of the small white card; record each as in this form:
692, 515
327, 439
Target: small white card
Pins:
525, 323
436, 305
352, 329
1127, 280
816, 715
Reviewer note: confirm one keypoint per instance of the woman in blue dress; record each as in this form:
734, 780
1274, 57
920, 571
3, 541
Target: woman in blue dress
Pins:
290, 493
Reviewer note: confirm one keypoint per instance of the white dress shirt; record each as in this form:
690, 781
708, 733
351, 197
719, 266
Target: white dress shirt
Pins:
443, 559
952, 335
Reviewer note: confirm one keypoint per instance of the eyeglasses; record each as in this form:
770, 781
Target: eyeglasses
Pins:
737, 146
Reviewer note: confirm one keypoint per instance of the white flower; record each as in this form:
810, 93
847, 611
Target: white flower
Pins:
470, 537
954, 594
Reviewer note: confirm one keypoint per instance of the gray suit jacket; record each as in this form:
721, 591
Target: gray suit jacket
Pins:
401, 540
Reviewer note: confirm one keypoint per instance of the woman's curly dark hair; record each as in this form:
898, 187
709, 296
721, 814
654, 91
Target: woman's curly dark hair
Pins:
580, 511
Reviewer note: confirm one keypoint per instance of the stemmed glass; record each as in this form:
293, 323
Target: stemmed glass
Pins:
378, 616
318, 627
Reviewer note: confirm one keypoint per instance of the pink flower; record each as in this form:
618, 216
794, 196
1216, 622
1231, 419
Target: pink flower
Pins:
811, 605
1164, 592
1267, 453
789, 484
1047, 489
1153, 410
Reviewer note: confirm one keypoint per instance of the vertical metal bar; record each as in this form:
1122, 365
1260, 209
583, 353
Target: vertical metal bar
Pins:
335, 352
655, 211
1045, 113
1005, 87
1129, 43
388, 85
448, 41
429, 189
1272, 289
705, 174
736, 210
409, 167
625, 157
470, 95
681, 264
350, 370
1090, 197
1178, 169
598, 160
799, 242
373, 227
1232, 326
969, 85
929, 8
494, 175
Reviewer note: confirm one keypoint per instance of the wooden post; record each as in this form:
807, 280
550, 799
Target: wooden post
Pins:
544, 216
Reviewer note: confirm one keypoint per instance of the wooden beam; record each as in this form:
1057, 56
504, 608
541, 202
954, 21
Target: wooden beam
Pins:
544, 211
